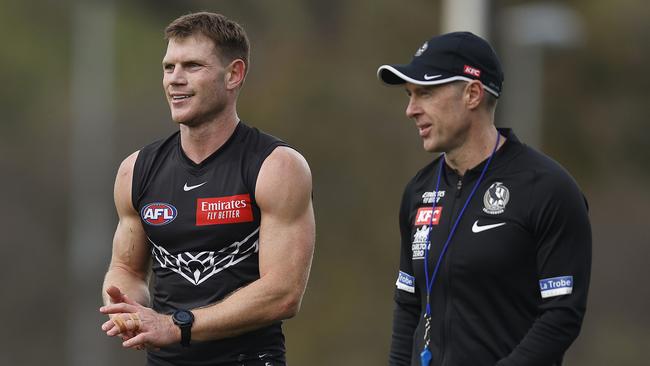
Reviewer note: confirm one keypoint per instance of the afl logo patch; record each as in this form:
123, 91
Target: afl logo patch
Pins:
158, 213
495, 199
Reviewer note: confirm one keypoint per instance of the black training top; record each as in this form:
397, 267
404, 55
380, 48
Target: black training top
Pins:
512, 287
202, 223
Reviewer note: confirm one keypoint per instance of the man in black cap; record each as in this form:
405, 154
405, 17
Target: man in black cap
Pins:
495, 237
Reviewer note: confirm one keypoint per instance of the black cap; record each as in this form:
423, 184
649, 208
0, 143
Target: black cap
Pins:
446, 58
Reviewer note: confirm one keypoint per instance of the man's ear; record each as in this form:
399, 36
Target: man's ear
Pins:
474, 94
235, 74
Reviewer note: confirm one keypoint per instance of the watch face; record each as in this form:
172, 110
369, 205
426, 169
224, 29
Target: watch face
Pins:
183, 317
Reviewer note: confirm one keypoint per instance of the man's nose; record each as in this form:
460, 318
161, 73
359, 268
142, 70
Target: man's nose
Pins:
412, 109
177, 76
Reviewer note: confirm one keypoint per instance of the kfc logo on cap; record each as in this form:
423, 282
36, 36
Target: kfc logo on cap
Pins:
472, 71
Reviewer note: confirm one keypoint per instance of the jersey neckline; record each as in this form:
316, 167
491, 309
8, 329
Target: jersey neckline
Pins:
197, 169
510, 148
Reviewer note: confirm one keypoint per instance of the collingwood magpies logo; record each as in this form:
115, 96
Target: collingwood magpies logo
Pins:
496, 198
199, 266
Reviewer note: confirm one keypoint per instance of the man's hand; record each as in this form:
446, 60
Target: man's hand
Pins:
115, 295
128, 325
139, 326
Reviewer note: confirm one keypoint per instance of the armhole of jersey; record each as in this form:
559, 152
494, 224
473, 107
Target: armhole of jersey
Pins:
136, 180
258, 165
145, 165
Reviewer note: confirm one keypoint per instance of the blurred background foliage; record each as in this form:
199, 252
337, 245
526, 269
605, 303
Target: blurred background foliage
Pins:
312, 83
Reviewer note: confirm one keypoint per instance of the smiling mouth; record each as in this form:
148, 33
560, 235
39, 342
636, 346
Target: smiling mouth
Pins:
180, 97
424, 130
177, 96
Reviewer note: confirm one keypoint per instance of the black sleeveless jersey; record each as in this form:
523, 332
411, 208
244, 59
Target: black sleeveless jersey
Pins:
202, 223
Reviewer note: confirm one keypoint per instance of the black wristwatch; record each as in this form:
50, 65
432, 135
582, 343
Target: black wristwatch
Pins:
184, 319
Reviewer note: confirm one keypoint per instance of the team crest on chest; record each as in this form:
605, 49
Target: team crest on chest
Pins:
496, 198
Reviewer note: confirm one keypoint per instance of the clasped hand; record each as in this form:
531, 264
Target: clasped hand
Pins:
139, 326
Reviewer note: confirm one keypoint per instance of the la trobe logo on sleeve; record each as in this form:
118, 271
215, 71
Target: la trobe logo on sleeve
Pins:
405, 282
556, 286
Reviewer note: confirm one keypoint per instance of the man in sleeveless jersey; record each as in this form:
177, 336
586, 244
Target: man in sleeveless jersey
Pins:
220, 212
495, 238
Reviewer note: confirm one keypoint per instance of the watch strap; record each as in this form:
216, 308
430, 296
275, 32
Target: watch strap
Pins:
186, 334
184, 319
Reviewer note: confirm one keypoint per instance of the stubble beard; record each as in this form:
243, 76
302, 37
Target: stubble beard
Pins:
205, 117
220, 104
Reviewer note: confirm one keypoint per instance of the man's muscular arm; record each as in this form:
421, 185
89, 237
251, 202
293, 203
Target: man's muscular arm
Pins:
127, 273
287, 234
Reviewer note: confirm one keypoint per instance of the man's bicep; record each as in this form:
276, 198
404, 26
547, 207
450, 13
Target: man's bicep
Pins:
287, 228
130, 249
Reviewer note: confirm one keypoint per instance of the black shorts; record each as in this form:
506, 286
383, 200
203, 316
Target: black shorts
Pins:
262, 359
257, 359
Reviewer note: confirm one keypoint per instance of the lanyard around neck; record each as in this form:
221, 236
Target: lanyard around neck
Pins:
425, 355
429, 282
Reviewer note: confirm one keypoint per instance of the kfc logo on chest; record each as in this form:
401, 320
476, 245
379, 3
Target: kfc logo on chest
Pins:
426, 215
472, 71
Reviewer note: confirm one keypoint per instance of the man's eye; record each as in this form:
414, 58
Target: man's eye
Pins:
168, 68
